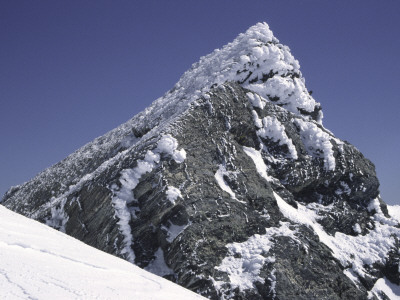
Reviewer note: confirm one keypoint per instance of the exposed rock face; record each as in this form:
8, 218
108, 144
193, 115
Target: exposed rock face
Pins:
230, 186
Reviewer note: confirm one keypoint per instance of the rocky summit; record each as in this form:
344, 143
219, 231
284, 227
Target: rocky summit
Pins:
230, 186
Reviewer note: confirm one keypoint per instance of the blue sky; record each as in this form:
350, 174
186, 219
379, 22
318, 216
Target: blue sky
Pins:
72, 70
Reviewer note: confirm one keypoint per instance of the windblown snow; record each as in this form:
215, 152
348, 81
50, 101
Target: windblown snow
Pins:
38, 262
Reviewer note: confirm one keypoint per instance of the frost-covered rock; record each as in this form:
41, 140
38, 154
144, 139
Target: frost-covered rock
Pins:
230, 185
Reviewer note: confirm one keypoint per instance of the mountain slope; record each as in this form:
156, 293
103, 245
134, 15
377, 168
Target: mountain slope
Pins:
230, 186
251, 59
37, 262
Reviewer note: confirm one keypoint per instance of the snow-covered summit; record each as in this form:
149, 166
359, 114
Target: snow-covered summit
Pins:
257, 61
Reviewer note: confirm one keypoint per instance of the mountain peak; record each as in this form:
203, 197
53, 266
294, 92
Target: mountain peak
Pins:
257, 61
233, 158
261, 32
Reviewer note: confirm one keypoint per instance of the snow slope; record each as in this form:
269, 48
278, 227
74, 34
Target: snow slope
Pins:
38, 262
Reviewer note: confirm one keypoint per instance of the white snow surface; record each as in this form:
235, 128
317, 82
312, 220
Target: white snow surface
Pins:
384, 285
38, 262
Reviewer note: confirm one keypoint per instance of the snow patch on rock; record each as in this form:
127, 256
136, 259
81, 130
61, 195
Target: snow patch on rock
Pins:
256, 100
257, 120
274, 130
129, 180
394, 212
173, 231
245, 260
258, 162
58, 218
384, 285
317, 142
219, 177
357, 228
173, 193
168, 144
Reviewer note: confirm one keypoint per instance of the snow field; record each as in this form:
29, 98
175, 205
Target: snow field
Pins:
38, 262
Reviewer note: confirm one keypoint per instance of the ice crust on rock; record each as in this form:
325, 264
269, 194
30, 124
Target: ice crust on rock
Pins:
173, 193
274, 130
129, 179
252, 59
317, 142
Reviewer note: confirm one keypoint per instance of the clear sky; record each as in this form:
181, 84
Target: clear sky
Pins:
72, 70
